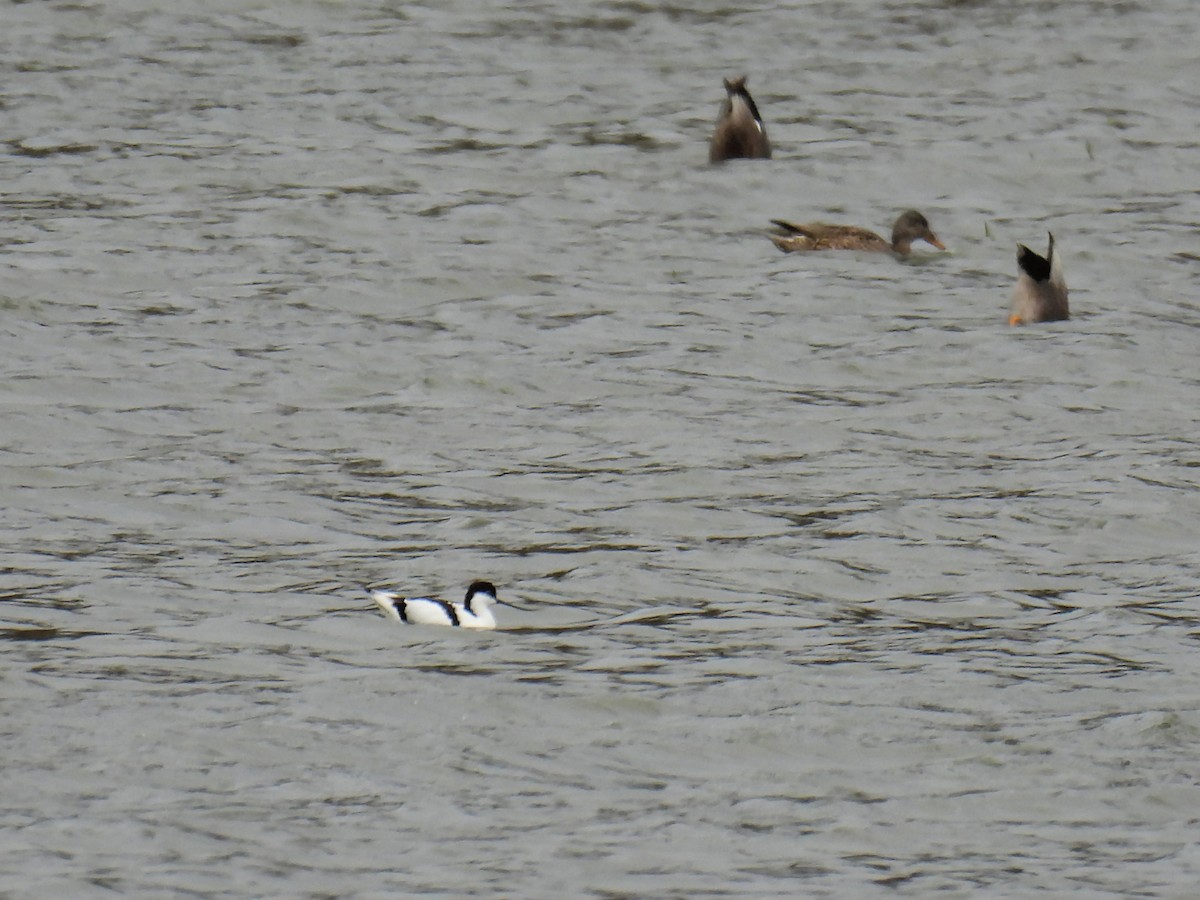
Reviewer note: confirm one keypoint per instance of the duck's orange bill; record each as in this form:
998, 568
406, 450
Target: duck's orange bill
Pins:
933, 240
1015, 319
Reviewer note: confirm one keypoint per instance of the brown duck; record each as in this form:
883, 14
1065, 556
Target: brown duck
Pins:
740, 133
1041, 291
909, 227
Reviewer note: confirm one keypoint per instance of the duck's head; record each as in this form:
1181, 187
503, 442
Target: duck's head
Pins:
913, 226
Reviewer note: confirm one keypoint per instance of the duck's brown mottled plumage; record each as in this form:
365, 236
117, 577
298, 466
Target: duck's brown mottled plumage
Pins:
1041, 291
740, 133
909, 227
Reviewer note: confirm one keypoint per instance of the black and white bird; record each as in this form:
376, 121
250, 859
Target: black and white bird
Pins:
475, 611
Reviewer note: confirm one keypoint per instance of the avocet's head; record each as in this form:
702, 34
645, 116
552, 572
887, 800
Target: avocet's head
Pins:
481, 595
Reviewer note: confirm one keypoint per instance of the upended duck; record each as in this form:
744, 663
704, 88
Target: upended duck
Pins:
910, 226
1041, 291
740, 133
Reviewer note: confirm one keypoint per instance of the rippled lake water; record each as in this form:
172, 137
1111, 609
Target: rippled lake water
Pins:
832, 584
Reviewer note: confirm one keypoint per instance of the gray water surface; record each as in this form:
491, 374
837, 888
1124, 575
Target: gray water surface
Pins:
832, 583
